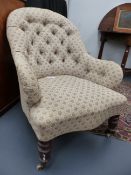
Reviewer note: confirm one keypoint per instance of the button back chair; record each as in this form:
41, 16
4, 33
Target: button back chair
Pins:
63, 89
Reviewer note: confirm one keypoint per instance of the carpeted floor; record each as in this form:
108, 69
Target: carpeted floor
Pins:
123, 131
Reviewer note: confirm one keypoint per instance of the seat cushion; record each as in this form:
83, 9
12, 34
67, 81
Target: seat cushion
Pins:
72, 104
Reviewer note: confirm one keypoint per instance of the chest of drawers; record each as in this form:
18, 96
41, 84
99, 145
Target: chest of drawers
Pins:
9, 91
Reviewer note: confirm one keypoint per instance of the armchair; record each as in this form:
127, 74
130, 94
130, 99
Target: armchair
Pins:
63, 89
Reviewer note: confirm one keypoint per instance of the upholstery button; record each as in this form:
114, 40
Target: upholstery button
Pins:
23, 29
56, 52
87, 71
47, 42
50, 61
38, 62
32, 42
28, 51
38, 32
41, 52
62, 42
29, 20
76, 61
68, 50
102, 73
61, 25
44, 23
53, 32
63, 60
68, 32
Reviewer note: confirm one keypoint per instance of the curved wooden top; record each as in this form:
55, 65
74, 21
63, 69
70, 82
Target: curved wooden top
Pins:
107, 23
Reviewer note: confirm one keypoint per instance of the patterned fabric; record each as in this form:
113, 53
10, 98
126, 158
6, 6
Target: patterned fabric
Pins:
123, 130
72, 104
44, 43
29, 83
51, 45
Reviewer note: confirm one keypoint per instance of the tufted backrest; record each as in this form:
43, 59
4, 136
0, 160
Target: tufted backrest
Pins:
50, 43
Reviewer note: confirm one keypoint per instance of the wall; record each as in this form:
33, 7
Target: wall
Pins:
86, 15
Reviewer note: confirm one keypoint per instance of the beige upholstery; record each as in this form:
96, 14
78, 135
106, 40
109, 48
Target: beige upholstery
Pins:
63, 88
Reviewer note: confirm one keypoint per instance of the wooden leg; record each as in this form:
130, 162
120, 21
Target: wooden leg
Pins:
103, 40
44, 149
124, 60
112, 124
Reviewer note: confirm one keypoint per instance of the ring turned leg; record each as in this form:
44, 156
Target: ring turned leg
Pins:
112, 124
125, 57
44, 149
103, 40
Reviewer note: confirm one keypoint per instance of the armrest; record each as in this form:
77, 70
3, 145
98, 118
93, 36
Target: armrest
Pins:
103, 72
27, 79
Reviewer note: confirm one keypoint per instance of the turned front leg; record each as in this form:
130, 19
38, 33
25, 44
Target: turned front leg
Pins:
44, 149
112, 124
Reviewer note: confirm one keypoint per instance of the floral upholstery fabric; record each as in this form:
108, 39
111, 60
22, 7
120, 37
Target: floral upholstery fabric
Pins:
45, 44
72, 104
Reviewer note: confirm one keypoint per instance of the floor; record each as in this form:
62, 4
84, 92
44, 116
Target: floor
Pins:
128, 78
79, 154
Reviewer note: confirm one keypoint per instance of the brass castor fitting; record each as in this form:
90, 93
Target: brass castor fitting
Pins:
40, 166
109, 132
108, 135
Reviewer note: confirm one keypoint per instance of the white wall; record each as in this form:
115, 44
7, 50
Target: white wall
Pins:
86, 15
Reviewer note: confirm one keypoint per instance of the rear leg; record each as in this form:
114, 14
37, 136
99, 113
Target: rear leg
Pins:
112, 124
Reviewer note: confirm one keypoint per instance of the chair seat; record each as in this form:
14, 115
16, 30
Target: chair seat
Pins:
72, 104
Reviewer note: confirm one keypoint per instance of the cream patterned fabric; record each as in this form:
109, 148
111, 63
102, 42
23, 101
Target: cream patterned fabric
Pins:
62, 86
72, 104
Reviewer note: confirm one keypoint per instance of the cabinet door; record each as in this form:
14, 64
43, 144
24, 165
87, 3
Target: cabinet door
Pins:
9, 91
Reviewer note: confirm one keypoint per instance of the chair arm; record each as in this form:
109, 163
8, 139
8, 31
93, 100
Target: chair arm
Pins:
27, 79
103, 72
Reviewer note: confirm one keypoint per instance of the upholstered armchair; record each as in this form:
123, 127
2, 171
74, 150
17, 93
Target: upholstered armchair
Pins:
63, 89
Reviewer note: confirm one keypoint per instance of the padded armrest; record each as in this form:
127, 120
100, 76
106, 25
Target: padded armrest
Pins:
103, 72
27, 79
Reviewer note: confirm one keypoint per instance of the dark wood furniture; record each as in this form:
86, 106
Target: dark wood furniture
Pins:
109, 31
9, 91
